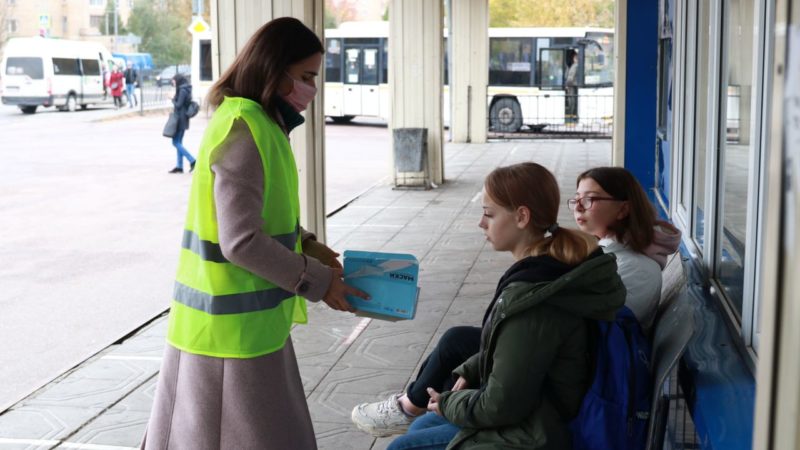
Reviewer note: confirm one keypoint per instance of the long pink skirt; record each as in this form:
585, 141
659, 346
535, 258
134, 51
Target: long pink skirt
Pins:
210, 403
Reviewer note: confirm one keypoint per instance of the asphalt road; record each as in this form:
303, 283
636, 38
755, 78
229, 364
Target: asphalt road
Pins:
91, 223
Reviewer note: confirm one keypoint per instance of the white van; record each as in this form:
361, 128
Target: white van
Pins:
53, 72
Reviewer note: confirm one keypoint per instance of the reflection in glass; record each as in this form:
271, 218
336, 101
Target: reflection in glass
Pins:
701, 128
736, 101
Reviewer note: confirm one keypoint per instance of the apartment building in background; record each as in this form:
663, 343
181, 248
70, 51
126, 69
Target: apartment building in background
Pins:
67, 19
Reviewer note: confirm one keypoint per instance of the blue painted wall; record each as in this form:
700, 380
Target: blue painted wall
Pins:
641, 89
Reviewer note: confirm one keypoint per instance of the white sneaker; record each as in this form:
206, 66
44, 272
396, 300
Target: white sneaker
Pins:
382, 419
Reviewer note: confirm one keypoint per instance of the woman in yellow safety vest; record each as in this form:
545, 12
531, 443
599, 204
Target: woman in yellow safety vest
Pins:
229, 378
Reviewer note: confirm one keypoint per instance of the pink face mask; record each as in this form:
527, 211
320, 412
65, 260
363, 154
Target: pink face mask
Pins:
300, 95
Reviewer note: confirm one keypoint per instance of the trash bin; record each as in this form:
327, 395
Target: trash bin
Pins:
410, 156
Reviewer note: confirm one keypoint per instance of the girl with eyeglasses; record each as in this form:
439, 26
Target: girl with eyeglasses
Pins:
610, 204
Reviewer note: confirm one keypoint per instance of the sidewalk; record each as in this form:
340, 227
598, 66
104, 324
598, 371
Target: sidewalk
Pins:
104, 403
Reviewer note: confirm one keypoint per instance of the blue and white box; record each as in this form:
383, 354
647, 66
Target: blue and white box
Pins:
389, 278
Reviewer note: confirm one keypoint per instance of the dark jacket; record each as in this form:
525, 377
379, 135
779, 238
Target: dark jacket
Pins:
131, 76
181, 100
534, 366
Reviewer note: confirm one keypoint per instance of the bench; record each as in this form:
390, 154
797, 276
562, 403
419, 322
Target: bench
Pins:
672, 330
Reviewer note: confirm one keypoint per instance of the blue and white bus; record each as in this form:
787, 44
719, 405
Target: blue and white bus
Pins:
528, 73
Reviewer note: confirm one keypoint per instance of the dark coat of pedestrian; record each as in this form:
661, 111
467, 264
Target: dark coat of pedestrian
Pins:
181, 100
180, 103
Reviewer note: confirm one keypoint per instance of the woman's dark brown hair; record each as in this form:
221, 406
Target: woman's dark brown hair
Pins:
259, 67
636, 229
533, 186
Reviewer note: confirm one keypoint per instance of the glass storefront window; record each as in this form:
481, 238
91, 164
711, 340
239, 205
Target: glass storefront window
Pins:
735, 146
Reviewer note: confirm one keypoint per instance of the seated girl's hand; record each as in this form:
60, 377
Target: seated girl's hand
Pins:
460, 384
433, 403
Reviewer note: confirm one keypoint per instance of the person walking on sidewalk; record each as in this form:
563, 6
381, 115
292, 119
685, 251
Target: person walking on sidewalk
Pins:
532, 369
180, 102
131, 81
229, 378
116, 81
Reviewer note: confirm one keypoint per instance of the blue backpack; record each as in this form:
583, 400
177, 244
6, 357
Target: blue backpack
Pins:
616, 408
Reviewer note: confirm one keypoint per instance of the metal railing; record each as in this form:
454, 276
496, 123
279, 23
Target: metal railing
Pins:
151, 95
551, 114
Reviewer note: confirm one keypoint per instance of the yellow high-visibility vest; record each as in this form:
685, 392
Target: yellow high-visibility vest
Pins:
220, 309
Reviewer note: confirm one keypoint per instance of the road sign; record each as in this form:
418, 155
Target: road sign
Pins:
198, 26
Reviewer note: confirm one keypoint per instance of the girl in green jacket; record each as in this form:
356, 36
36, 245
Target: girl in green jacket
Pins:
533, 368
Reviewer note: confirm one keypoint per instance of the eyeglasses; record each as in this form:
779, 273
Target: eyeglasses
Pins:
587, 202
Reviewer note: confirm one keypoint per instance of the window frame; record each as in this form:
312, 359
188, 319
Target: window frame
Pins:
707, 255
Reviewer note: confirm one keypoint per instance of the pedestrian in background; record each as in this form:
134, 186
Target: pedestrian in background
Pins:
229, 377
180, 102
116, 82
131, 81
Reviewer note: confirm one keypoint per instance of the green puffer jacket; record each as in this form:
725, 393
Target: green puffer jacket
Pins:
534, 366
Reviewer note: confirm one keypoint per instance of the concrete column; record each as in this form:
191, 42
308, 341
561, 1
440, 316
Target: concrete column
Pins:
469, 74
620, 78
233, 22
415, 73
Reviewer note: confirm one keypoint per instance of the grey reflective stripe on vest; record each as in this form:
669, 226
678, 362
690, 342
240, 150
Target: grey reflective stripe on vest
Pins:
231, 303
207, 250
211, 251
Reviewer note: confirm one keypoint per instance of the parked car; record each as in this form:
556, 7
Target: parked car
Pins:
165, 77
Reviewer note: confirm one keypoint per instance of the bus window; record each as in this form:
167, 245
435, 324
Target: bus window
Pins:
352, 65
31, 67
385, 62
369, 75
599, 61
333, 61
510, 61
90, 67
66, 66
551, 67
446, 64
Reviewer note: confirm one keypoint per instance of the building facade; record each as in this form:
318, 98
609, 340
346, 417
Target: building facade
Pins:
66, 19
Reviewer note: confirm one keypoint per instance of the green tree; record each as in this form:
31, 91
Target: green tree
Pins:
162, 27
108, 20
551, 13
338, 11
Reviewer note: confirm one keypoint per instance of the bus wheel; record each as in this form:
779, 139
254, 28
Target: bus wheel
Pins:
506, 115
28, 109
342, 119
72, 103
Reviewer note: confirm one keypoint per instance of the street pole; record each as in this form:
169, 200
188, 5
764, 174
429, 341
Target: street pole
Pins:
116, 6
